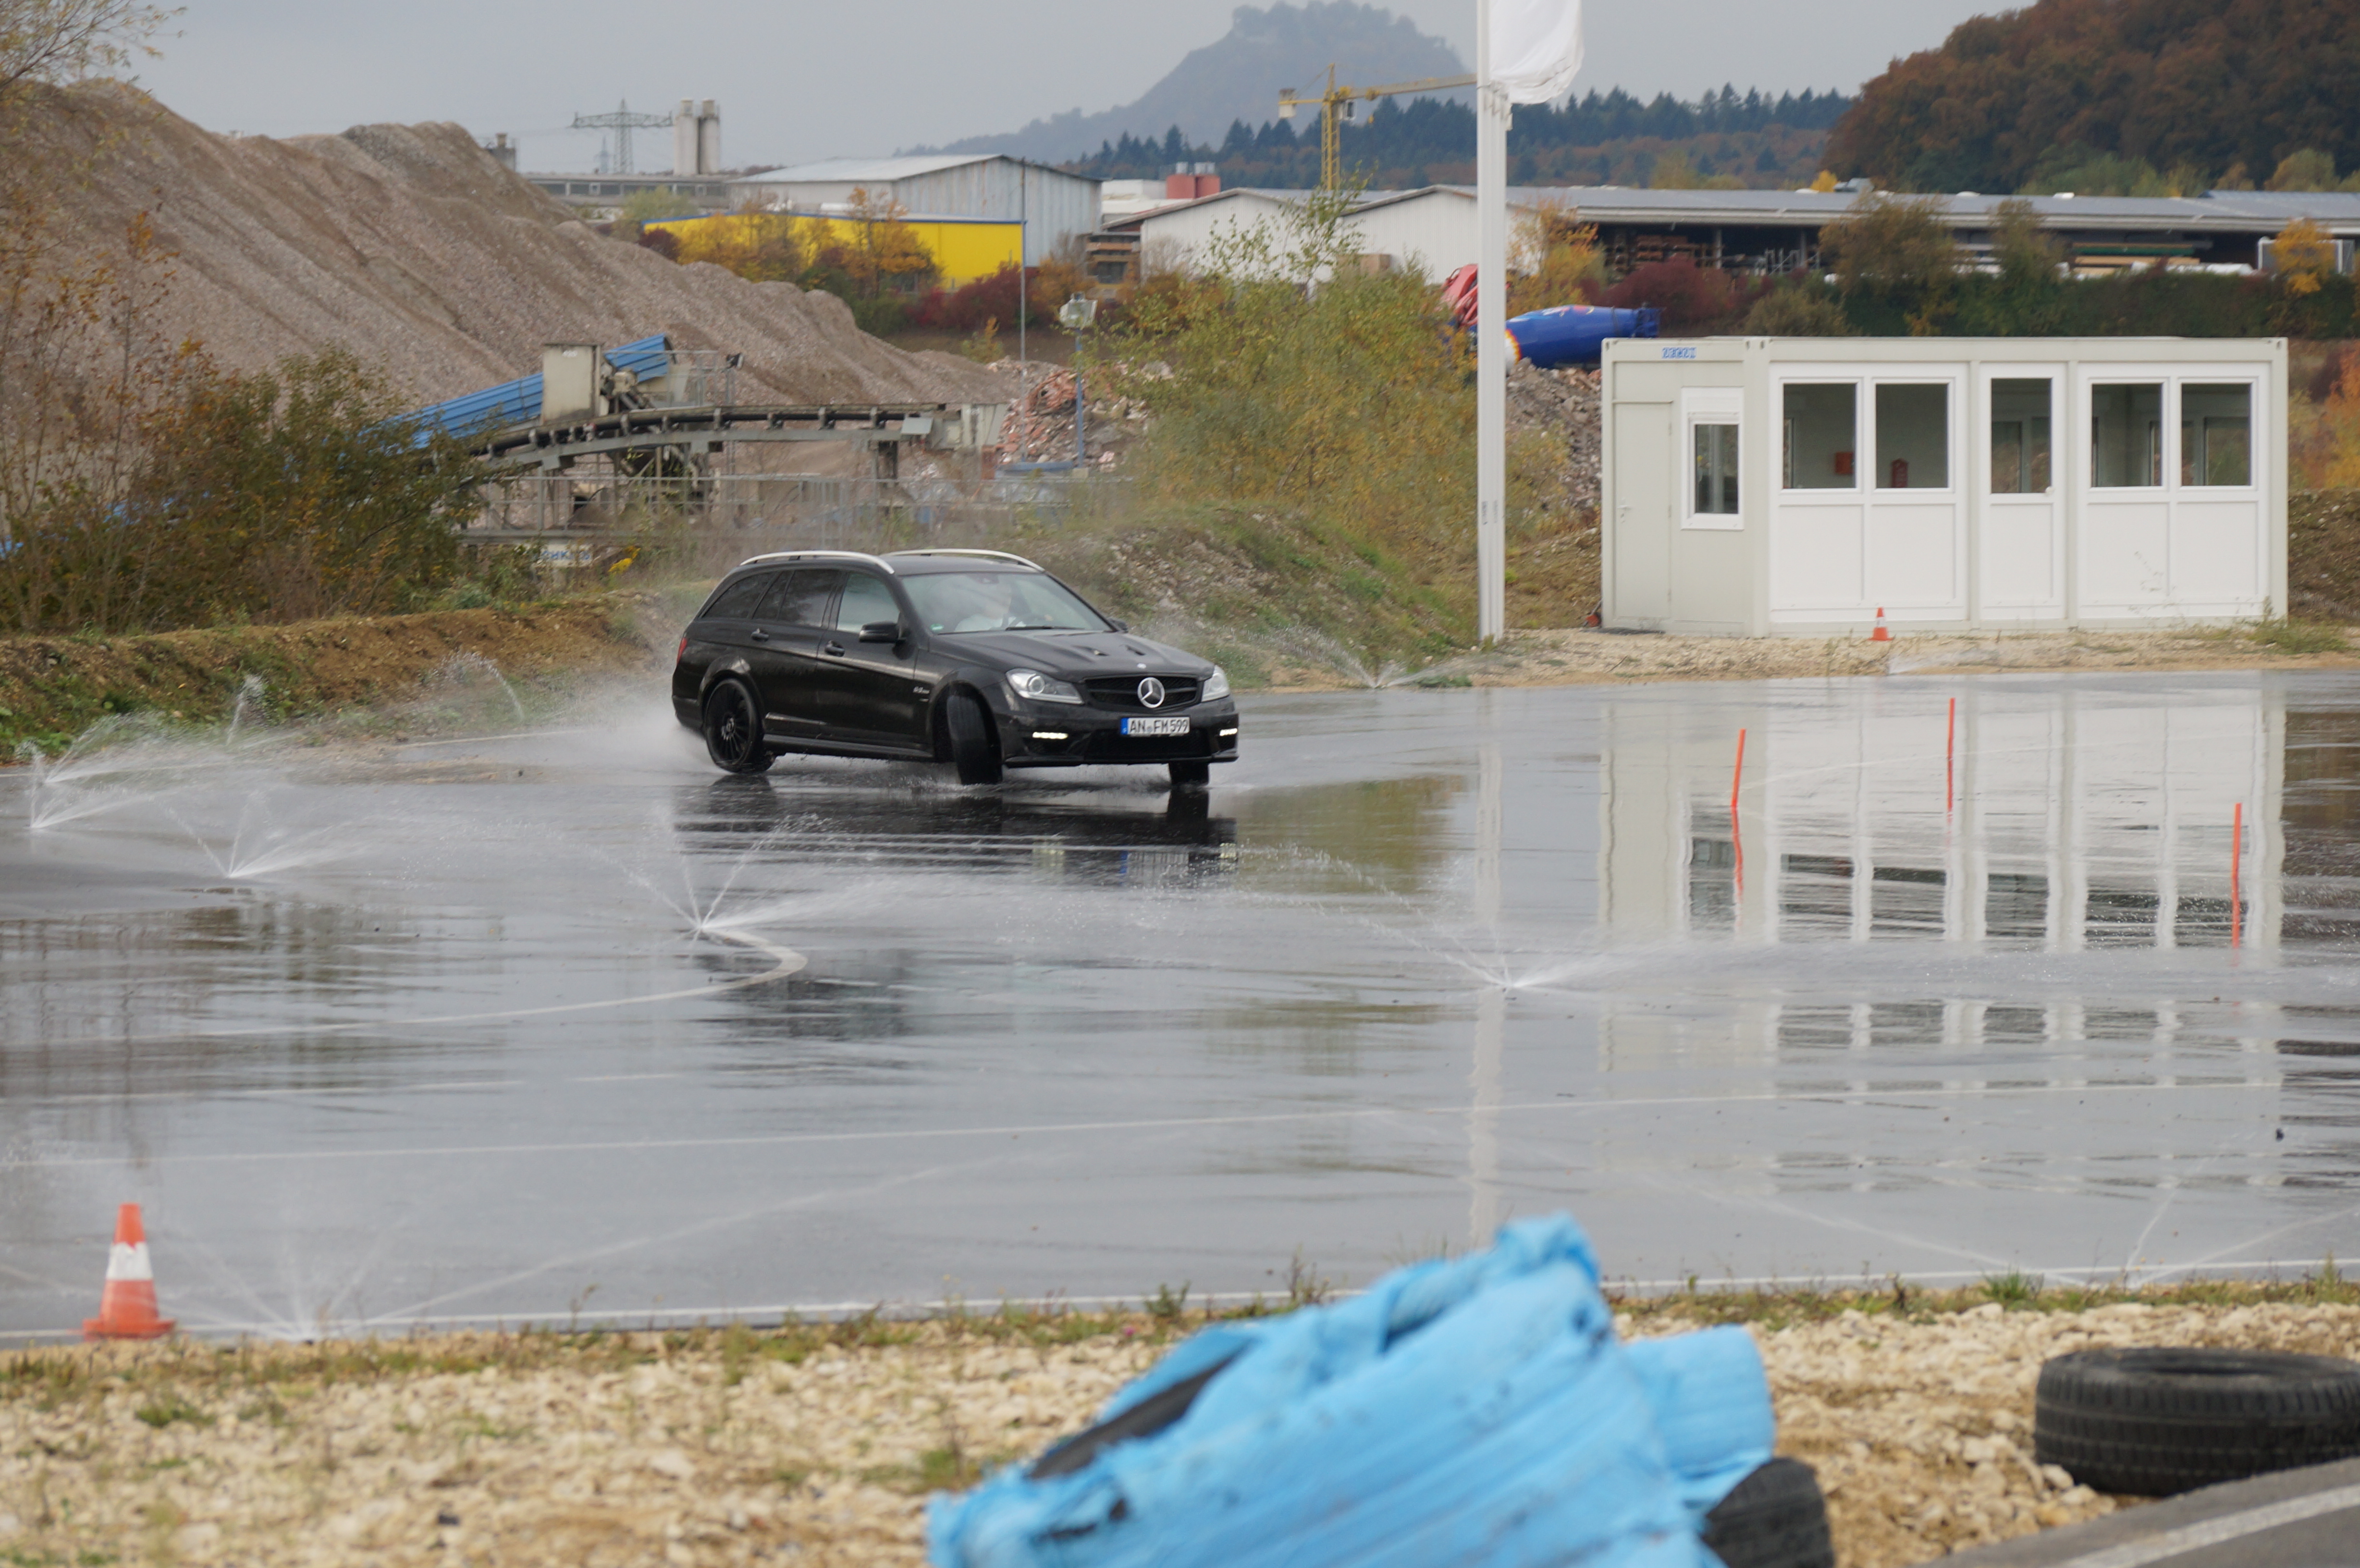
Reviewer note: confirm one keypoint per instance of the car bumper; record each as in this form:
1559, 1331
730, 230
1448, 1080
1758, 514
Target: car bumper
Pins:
1041, 735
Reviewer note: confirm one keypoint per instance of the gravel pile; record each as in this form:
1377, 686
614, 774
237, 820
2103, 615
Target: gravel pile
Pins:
409, 244
819, 1446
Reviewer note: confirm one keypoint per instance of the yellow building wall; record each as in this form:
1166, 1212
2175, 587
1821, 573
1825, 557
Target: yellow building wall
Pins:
964, 249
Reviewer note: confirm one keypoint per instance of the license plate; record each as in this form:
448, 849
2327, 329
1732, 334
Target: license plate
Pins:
1155, 727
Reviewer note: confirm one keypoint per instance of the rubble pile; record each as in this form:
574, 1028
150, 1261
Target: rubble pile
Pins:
1040, 424
1560, 404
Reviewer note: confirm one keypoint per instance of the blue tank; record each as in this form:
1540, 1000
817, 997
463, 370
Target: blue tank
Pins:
1573, 334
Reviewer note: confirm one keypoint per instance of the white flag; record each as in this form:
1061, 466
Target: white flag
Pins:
1536, 47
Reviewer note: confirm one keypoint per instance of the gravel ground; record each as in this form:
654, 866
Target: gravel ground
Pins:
1565, 658
819, 1444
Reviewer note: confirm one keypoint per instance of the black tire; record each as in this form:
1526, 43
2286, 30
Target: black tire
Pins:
2150, 1423
970, 731
1191, 775
1776, 1518
733, 729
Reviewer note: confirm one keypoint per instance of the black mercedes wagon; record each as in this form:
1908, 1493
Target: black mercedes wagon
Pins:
970, 656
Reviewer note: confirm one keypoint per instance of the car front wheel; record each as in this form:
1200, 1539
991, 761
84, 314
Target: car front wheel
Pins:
732, 730
970, 730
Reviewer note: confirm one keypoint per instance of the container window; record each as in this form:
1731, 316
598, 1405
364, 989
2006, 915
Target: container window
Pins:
2216, 423
2020, 449
1714, 489
2126, 436
1913, 437
1822, 435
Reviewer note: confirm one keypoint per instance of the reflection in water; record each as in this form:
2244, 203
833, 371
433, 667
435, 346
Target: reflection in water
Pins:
1424, 962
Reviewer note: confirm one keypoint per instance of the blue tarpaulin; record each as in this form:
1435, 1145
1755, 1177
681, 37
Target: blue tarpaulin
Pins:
1477, 1412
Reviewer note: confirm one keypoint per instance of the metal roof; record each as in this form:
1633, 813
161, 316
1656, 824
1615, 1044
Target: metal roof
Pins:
2236, 212
884, 170
2230, 212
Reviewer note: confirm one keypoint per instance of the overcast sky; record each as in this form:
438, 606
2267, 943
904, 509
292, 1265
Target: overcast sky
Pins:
804, 80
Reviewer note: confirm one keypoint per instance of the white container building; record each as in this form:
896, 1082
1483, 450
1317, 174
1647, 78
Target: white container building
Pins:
1793, 486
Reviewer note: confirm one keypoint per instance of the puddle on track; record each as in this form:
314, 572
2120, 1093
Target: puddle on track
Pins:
565, 1024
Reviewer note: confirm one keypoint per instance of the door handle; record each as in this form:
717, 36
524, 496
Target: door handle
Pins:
761, 635
832, 649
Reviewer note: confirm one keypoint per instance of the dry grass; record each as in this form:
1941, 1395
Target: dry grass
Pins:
733, 1445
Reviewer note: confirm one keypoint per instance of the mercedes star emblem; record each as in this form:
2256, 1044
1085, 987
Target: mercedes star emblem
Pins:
1151, 693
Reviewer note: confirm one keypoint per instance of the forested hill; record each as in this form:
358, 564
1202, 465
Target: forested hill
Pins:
2213, 92
1723, 138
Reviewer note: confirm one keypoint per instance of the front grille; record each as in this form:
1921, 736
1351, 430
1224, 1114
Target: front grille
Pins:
1120, 692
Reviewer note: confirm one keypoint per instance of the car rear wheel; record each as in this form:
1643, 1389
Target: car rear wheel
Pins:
1191, 775
733, 729
970, 731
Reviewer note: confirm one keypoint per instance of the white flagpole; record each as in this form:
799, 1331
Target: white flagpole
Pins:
1491, 339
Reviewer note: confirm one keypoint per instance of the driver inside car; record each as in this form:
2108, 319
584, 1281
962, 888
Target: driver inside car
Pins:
994, 602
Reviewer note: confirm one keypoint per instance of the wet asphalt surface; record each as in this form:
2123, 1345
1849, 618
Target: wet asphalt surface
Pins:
561, 1026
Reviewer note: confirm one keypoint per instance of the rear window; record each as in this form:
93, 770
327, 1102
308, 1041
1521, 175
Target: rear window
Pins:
736, 600
801, 598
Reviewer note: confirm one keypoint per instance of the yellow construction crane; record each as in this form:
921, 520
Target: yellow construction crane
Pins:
1338, 103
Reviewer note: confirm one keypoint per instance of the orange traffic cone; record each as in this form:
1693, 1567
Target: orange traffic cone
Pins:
127, 1307
1879, 633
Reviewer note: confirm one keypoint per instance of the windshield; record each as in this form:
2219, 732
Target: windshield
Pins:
997, 601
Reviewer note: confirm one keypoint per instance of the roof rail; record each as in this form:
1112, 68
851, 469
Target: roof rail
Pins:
992, 554
818, 554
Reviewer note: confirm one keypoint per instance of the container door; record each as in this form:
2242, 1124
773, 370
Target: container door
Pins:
1916, 562
1643, 521
1818, 552
2125, 554
2019, 535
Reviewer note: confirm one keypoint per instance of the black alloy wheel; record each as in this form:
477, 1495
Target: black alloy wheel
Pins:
1191, 775
733, 729
970, 731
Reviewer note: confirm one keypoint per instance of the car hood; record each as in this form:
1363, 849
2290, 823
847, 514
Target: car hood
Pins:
1071, 655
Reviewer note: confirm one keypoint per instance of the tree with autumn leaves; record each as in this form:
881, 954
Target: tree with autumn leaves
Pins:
2196, 93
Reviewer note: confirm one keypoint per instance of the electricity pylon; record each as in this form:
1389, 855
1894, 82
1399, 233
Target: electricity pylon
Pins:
621, 122
1339, 102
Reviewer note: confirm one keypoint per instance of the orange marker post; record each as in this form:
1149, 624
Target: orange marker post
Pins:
1951, 760
2236, 866
1737, 839
1879, 633
127, 1305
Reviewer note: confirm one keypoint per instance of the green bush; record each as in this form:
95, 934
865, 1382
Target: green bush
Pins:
267, 497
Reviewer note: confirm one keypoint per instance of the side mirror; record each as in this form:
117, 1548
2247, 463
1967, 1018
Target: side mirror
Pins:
1119, 625
882, 631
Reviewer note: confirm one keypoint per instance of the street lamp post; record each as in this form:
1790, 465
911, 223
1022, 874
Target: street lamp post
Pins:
1076, 315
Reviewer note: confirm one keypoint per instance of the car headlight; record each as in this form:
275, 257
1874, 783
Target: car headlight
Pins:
1040, 688
1218, 686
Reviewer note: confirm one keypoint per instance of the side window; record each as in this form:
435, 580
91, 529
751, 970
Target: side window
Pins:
1712, 416
2216, 434
866, 599
736, 600
1822, 422
801, 598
